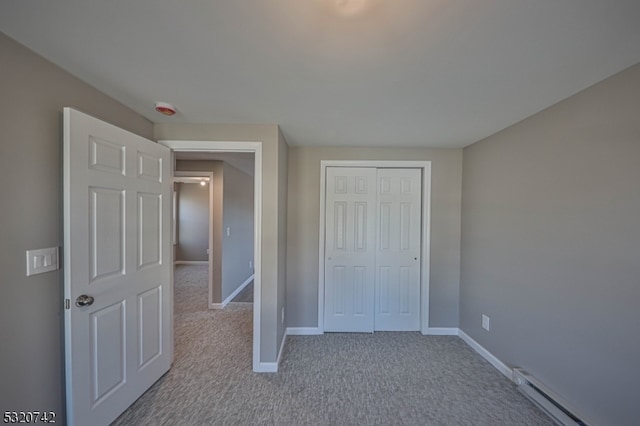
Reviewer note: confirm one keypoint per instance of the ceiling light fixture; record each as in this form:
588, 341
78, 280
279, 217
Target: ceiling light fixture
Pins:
350, 7
165, 108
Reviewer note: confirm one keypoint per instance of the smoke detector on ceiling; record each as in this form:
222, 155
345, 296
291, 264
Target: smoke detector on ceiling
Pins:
165, 108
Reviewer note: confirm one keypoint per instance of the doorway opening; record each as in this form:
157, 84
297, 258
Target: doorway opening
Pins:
193, 231
202, 150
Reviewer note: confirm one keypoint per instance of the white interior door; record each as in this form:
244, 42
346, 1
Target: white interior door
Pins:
372, 249
397, 289
350, 249
118, 314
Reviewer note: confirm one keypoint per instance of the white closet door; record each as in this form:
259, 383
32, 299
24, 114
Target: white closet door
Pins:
397, 289
350, 249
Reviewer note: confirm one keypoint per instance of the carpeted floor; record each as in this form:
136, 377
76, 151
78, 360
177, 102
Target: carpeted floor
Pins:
334, 379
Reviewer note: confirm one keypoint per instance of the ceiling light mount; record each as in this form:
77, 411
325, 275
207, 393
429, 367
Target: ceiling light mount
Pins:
165, 108
350, 7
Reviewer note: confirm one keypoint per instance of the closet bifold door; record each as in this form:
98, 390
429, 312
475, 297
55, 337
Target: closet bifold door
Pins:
397, 256
350, 248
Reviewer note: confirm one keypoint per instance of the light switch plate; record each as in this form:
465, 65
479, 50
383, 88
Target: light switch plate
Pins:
486, 324
42, 260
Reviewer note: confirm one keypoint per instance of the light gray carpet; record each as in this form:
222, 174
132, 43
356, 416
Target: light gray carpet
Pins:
191, 294
335, 379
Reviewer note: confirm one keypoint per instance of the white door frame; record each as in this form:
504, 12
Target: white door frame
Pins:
425, 237
256, 149
177, 174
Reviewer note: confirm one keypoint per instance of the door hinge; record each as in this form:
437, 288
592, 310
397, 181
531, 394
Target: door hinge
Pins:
67, 304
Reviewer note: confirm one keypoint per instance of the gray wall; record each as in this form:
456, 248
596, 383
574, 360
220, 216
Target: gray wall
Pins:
272, 231
34, 91
304, 222
192, 221
283, 182
237, 248
551, 247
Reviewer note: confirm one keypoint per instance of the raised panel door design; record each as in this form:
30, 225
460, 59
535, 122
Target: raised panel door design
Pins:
106, 156
405, 289
341, 183
340, 226
406, 223
108, 351
106, 232
362, 185
360, 227
349, 249
384, 219
149, 167
149, 326
397, 301
338, 294
149, 229
359, 290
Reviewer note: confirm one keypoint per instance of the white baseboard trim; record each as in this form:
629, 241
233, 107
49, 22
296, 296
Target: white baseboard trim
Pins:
284, 340
266, 367
303, 331
228, 300
442, 331
237, 290
272, 367
499, 365
190, 262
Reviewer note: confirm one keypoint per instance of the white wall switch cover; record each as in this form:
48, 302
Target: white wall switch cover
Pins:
486, 324
228, 231
42, 260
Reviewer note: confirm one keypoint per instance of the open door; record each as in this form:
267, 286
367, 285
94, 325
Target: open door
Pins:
117, 267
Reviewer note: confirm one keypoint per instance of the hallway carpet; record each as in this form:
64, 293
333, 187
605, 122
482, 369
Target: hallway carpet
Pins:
334, 379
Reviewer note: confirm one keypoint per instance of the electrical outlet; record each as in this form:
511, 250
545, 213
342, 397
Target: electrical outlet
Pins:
486, 324
282, 316
250, 264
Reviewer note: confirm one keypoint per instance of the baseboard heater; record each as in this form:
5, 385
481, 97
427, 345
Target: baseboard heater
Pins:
544, 398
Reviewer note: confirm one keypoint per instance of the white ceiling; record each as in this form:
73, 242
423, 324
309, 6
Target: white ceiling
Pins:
441, 73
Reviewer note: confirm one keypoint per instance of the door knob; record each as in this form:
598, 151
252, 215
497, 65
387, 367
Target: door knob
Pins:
84, 300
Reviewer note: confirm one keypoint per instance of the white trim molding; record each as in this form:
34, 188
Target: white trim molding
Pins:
304, 331
228, 300
272, 367
493, 360
256, 149
442, 331
425, 166
191, 262
284, 341
266, 367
